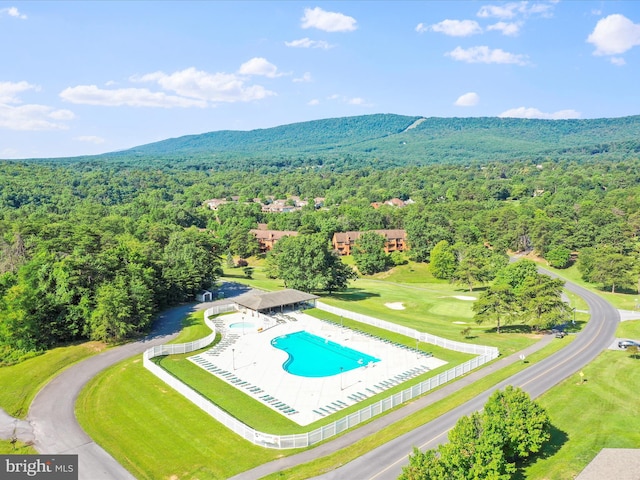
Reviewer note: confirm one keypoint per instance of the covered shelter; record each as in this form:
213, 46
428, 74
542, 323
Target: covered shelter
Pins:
267, 302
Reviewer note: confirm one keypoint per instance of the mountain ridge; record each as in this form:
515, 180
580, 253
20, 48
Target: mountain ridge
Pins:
390, 140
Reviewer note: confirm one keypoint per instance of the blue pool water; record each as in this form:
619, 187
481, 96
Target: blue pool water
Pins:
246, 325
313, 356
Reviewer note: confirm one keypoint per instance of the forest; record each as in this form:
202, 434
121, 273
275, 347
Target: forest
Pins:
92, 248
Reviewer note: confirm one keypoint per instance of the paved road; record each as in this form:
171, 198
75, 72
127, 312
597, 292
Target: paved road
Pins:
385, 462
52, 412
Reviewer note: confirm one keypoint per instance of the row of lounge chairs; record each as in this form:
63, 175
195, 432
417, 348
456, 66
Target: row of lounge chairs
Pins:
331, 408
402, 377
383, 340
224, 374
277, 404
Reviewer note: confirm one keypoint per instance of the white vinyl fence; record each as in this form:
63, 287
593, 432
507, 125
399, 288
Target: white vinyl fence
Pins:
485, 354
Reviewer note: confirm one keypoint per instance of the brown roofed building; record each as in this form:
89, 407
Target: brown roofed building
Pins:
268, 238
396, 241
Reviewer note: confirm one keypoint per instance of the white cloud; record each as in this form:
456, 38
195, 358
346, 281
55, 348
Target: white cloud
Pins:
306, 77
12, 12
28, 117
456, 28
421, 28
619, 61
467, 100
483, 54
33, 117
131, 97
523, 112
510, 29
328, 21
259, 66
207, 87
9, 90
308, 43
313, 102
614, 34
514, 9
90, 139
508, 10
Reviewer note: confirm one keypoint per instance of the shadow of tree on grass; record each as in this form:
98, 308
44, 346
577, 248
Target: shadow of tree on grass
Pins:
549, 449
353, 295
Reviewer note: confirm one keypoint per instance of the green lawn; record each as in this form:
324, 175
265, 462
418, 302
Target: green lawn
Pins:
156, 433
21, 382
602, 412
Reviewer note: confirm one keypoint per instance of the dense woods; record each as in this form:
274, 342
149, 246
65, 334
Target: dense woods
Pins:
92, 248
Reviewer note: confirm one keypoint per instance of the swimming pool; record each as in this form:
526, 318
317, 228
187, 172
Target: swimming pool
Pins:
313, 356
247, 325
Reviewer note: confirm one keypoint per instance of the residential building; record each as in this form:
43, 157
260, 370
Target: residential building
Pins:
396, 241
268, 238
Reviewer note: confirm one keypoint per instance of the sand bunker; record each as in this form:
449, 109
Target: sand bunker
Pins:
464, 297
395, 306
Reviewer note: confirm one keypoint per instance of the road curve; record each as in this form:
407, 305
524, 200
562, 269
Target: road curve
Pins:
52, 412
386, 461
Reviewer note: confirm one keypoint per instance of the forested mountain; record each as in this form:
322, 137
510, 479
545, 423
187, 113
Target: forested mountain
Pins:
387, 140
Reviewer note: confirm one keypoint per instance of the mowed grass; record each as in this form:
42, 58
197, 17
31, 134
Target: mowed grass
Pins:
602, 412
20, 383
193, 328
156, 433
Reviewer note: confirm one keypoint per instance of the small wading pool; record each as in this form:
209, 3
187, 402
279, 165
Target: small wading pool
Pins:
246, 325
313, 356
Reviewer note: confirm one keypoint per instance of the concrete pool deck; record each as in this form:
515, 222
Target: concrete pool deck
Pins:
246, 359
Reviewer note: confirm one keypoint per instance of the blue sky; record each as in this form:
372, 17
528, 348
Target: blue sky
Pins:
87, 77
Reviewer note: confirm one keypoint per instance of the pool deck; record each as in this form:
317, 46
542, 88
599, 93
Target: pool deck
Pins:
246, 359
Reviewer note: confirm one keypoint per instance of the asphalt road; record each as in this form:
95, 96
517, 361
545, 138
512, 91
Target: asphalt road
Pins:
386, 461
52, 412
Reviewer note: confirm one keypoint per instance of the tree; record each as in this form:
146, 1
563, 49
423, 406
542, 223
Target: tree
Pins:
516, 274
496, 304
243, 243
607, 267
191, 262
541, 302
523, 424
613, 270
443, 260
110, 320
486, 445
477, 264
307, 262
369, 255
558, 257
